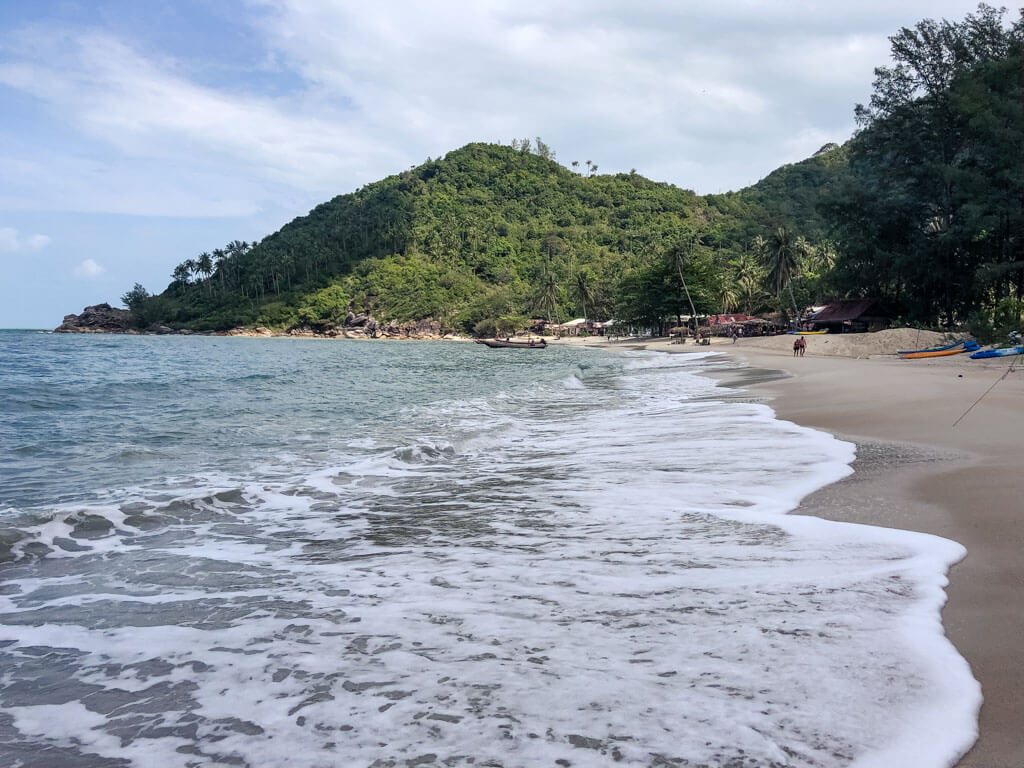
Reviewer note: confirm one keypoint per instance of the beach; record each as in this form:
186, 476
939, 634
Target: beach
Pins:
917, 471
374, 552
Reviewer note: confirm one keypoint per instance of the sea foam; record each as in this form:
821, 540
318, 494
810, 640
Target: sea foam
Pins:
603, 574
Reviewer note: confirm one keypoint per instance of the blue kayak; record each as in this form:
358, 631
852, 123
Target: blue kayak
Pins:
1004, 352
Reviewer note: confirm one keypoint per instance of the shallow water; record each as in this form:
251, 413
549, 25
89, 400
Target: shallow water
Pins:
221, 551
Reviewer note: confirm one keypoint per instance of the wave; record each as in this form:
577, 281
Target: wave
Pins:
513, 577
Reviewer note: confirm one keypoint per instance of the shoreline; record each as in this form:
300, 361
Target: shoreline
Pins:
915, 471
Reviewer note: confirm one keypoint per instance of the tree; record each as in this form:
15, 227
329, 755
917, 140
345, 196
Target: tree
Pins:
204, 265
135, 297
190, 268
181, 273
549, 293
929, 219
783, 263
583, 289
679, 252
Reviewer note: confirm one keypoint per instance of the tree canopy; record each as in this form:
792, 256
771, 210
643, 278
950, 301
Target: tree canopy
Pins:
931, 218
489, 232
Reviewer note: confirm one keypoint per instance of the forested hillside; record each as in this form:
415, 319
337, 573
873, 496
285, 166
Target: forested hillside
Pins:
494, 234
923, 209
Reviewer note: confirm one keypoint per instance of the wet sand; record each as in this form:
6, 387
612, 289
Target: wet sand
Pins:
917, 471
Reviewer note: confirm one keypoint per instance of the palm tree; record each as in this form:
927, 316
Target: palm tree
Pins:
220, 265
751, 296
583, 290
549, 294
784, 263
727, 295
181, 274
679, 253
745, 265
205, 266
190, 267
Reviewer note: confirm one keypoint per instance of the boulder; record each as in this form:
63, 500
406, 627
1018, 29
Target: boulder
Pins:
99, 318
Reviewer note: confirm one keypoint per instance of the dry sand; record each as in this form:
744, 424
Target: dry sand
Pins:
915, 470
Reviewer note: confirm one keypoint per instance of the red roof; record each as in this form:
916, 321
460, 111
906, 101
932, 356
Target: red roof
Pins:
729, 319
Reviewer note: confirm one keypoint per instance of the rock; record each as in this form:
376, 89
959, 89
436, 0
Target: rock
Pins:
99, 318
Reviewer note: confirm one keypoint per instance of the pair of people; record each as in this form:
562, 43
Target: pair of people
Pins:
799, 345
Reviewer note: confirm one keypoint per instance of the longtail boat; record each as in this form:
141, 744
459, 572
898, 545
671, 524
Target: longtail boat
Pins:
509, 344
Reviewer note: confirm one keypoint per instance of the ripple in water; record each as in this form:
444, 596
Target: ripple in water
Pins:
589, 565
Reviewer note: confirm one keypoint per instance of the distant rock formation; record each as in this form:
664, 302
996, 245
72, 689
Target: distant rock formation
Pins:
100, 318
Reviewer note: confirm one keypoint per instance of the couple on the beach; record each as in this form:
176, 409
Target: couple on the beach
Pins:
799, 345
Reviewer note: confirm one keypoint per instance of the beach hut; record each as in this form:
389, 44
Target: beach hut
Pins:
850, 316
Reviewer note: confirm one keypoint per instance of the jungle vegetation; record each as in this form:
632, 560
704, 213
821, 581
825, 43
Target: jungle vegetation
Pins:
923, 209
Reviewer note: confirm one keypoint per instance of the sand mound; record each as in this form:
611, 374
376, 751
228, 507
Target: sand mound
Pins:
860, 345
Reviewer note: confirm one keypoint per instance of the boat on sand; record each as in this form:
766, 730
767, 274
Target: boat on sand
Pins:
1004, 352
510, 344
968, 345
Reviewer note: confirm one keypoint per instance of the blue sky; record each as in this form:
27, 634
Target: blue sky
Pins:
134, 135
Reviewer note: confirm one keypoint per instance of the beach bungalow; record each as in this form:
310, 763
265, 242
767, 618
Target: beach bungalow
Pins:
850, 316
573, 327
723, 324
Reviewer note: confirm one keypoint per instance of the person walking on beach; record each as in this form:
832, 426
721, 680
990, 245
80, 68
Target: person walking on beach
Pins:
796, 346
803, 345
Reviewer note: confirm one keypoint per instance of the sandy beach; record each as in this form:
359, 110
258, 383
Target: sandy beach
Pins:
917, 471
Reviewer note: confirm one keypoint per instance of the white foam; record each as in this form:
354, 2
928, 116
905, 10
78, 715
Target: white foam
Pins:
609, 577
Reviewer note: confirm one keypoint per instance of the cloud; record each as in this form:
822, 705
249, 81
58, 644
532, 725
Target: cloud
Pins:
146, 110
13, 241
88, 270
709, 95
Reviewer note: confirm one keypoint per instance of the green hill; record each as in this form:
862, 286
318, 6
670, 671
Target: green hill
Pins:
494, 234
921, 210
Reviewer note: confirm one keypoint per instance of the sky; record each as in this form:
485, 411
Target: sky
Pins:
135, 135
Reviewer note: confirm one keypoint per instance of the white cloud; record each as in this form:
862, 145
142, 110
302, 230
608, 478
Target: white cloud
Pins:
12, 240
88, 270
705, 95
148, 111
37, 242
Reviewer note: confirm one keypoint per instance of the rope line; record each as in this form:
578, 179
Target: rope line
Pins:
1006, 373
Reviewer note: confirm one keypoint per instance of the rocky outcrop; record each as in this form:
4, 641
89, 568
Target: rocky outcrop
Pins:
364, 326
100, 318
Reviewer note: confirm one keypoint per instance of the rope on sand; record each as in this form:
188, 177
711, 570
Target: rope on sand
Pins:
1006, 373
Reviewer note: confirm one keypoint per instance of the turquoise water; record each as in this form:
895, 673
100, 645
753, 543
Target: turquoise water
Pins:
270, 552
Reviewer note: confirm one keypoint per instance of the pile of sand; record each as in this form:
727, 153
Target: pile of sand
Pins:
859, 345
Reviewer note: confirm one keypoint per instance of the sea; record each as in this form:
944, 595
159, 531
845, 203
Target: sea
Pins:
264, 552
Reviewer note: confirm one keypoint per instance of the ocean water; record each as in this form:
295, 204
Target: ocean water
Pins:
285, 552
